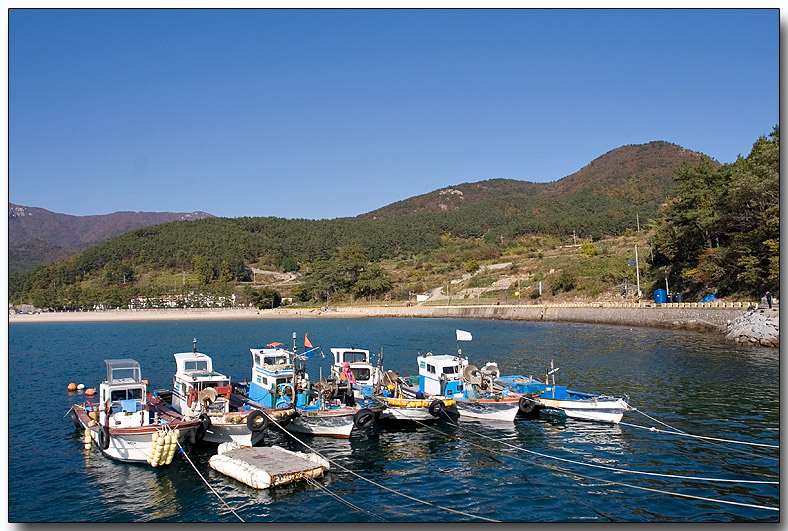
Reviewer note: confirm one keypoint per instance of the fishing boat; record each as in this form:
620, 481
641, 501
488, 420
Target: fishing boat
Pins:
405, 404
366, 378
474, 390
127, 424
322, 408
369, 381
556, 400
200, 392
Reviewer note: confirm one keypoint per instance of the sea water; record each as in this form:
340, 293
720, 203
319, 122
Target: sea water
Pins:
541, 470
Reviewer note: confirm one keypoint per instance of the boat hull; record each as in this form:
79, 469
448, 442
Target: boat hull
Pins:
600, 410
488, 409
233, 427
327, 423
134, 444
415, 410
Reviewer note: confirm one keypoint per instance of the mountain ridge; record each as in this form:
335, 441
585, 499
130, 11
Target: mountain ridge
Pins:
646, 169
37, 235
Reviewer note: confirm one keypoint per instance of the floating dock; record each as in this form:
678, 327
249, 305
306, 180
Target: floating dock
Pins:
264, 467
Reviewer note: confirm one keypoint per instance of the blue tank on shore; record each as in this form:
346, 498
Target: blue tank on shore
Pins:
660, 296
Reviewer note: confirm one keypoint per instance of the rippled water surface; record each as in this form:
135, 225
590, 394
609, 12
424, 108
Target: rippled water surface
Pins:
526, 471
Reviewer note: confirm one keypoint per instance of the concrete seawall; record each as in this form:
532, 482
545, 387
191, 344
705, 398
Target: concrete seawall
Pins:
693, 318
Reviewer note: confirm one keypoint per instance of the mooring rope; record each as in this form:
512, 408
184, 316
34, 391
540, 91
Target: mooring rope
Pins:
316, 484
206, 482
655, 420
624, 470
727, 502
685, 434
417, 500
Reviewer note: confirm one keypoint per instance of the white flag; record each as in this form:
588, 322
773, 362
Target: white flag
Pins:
462, 335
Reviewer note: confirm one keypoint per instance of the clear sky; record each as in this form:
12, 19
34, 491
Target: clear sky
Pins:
337, 112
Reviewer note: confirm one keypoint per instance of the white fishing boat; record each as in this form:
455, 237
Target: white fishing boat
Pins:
369, 381
126, 425
366, 377
404, 404
547, 398
473, 390
200, 392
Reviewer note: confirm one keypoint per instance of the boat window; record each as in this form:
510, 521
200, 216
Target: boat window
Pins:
280, 381
353, 356
256, 359
431, 368
131, 374
126, 394
276, 360
361, 373
450, 370
196, 365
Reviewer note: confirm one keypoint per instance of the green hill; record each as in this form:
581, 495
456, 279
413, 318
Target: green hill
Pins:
406, 247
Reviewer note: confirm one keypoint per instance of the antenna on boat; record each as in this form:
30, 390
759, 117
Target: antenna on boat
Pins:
553, 370
194, 345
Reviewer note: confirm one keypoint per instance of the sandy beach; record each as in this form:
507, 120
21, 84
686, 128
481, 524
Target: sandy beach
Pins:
161, 315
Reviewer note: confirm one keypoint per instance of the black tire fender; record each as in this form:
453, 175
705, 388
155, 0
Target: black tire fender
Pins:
257, 421
436, 408
364, 418
199, 435
104, 437
527, 405
206, 421
75, 418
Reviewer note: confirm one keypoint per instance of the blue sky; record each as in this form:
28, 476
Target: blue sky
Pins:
330, 113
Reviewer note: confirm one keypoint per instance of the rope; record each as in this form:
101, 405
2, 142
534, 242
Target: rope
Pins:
314, 483
655, 420
765, 507
417, 500
625, 471
685, 434
206, 482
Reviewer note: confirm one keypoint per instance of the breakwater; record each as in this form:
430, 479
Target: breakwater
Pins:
690, 316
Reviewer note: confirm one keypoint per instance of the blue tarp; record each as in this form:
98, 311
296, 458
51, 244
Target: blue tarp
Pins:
708, 298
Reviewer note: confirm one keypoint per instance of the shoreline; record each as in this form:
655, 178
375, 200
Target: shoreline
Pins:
742, 323
709, 318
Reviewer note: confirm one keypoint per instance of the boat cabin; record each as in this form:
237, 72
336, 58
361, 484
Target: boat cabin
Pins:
361, 367
441, 375
194, 374
123, 391
272, 371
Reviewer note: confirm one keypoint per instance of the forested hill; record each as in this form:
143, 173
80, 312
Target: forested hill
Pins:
640, 174
601, 199
37, 236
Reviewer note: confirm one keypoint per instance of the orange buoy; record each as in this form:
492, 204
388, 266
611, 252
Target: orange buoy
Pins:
90, 392
72, 386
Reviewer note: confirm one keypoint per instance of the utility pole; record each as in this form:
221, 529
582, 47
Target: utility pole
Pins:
638, 219
637, 271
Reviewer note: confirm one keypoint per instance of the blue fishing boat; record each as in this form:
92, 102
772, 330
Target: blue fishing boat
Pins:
322, 408
557, 400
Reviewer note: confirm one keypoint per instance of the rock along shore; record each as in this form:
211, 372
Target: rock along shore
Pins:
738, 321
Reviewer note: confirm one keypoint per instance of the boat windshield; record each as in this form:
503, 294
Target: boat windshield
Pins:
275, 360
126, 394
452, 369
195, 365
354, 356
